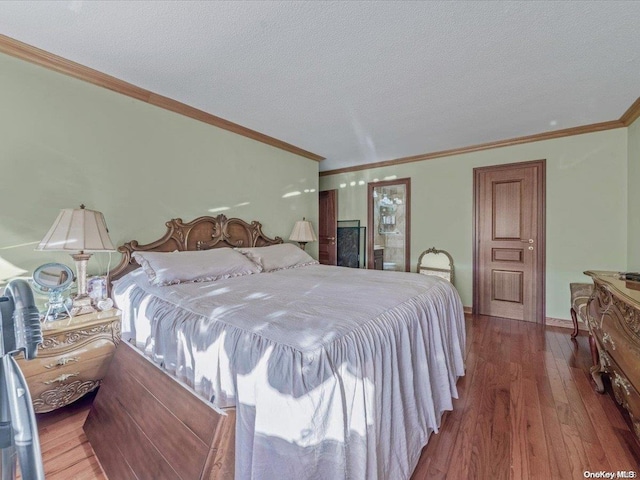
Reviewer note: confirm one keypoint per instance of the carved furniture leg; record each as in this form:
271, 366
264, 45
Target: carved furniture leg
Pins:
574, 317
596, 374
595, 358
596, 370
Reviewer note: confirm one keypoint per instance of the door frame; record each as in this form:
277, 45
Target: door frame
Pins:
406, 181
333, 194
541, 240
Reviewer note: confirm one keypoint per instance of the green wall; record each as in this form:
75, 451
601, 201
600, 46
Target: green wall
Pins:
64, 142
633, 239
586, 206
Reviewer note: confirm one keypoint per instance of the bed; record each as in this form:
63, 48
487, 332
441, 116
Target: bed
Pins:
310, 371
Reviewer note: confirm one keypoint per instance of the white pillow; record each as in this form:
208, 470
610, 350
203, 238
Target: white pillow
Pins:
278, 257
201, 266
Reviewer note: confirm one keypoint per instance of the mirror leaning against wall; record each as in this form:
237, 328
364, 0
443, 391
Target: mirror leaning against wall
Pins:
436, 262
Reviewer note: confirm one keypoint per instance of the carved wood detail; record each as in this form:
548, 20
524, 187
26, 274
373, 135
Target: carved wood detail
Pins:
63, 395
76, 336
630, 315
72, 359
613, 314
203, 233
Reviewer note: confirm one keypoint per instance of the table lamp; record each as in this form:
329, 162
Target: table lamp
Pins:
82, 231
302, 233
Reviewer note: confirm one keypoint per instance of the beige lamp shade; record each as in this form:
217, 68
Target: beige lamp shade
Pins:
78, 230
303, 232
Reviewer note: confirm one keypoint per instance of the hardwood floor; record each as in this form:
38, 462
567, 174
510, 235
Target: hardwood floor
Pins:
66, 452
527, 409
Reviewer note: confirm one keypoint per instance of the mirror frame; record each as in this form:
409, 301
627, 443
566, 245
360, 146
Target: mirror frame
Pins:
437, 252
406, 182
60, 288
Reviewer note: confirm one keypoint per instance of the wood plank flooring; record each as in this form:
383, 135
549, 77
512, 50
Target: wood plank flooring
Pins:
66, 452
526, 409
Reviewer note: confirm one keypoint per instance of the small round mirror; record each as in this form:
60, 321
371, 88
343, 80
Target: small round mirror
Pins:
53, 277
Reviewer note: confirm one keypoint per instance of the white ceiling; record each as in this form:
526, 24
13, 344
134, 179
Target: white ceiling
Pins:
360, 82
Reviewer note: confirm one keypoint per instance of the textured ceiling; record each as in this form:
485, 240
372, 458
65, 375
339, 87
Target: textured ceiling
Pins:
360, 82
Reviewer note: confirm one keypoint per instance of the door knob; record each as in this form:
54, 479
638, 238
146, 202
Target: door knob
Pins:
527, 241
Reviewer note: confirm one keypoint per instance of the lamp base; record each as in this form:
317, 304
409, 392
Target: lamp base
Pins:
82, 302
302, 245
82, 305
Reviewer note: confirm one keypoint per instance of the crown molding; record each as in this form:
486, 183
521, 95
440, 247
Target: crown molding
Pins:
566, 132
48, 60
632, 113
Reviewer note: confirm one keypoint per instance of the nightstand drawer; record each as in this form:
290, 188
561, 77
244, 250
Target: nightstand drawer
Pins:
77, 360
55, 389
94, 369
74, 357
71, 360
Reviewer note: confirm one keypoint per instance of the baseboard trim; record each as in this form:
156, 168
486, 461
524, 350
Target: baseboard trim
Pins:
549, 321
562, 323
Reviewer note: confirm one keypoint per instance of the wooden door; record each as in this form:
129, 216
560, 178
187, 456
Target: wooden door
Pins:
328, 227
509, 244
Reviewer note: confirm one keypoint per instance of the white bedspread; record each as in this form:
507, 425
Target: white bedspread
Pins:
335, 372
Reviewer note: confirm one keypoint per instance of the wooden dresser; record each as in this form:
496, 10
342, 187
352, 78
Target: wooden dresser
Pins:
72, 360
613, 317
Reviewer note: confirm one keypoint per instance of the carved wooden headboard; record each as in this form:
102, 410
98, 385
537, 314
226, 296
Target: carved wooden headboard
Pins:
202, 233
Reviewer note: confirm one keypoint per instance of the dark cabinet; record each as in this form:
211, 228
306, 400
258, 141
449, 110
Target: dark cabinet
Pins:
378, 256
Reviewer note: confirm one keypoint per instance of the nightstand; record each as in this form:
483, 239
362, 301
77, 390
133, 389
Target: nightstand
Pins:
72, 360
